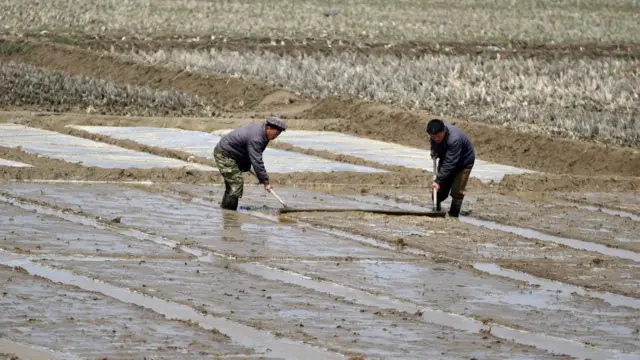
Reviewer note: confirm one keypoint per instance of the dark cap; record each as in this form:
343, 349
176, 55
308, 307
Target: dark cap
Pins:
435, 126
276, 122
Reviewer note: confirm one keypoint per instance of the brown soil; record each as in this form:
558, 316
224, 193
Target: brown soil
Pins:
616, 201
453, 241
595, 274
311, 46
496, 144
566, 182
53, 169
229, 93
492, 143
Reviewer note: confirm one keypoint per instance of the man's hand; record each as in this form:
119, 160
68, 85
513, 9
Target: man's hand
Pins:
267, 187
436, 186
434, 155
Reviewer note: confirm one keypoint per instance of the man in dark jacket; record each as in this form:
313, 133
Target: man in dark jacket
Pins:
241, 149
455, 151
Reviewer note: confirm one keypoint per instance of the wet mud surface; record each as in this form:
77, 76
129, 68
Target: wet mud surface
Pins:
469, 241
203, 225
94, 326
444, 280
565, 221
598, 274
464, 291
41, 235
625, 201
290, 311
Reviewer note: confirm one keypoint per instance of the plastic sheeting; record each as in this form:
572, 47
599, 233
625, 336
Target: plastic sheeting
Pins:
87, 152
202, 144
384, 152
5, 162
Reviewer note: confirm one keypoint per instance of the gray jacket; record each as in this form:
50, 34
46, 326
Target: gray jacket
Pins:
245, 145
455, 153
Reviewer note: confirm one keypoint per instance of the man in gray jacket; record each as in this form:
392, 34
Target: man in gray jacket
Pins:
241, 149
457, 157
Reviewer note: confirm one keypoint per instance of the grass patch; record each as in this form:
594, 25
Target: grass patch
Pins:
10, 48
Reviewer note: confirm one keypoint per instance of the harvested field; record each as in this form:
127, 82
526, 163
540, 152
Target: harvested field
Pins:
113, 243
562, 96
565, 21
27, 87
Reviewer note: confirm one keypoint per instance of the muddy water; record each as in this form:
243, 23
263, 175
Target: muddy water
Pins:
328, 321
447, 237
90, 325
11, 350
573, 243
627, 202
598, 274
563, 221
29, 232
292, 196
451, 289
558, 287
454, 239
155, 212
262, 342
193, 224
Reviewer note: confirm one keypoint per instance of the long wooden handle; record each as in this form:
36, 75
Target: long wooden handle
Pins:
277, 197
270, 190
435, 192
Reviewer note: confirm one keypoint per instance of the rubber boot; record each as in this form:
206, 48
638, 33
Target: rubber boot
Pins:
225, 200
232, 203
454, 210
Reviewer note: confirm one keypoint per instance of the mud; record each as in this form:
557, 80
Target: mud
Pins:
453, 240
401, 176
556, 286
222, 93
626, 202
16, 351
53, 169
316, 318
90, 325
563, 221
190, 216
379, 122
568, 182
598, 274
197, 225
493, 302
34, 234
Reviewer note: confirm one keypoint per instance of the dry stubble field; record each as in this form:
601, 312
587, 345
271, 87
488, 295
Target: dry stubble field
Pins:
125, 261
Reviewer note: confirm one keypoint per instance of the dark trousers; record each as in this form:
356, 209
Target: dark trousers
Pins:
456, 185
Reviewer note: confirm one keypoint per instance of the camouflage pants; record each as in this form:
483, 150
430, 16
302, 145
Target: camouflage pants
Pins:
456, 186
233, 180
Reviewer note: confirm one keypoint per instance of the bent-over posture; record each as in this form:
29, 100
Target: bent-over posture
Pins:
241, 149
455, 151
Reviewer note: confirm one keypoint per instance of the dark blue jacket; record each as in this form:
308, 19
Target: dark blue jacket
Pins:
245, 145
455, 153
